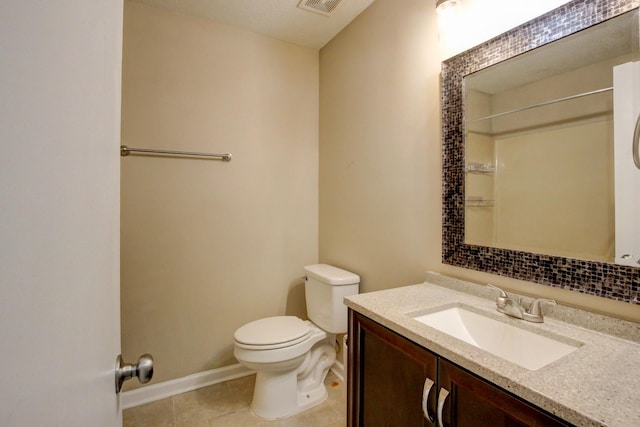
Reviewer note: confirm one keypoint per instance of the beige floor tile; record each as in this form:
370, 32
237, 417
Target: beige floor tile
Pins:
242, 418
319, 416
242, 388
196, 408
337, 394
154, 414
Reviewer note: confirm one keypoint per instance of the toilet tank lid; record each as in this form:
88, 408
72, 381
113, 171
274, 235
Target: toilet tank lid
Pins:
331, 275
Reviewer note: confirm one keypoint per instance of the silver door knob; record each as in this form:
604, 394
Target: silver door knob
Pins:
143, 370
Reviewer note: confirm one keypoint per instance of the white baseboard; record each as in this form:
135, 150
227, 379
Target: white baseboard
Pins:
165, 389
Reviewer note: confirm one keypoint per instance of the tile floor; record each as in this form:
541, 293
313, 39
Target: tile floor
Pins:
227, 404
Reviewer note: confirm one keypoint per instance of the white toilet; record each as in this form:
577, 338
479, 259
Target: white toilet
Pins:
292, 356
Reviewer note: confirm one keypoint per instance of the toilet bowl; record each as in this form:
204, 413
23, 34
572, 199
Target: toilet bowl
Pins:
290, 374
292, 356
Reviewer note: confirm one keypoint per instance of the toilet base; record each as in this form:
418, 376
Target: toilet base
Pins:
279, 394
275, 407
312, 398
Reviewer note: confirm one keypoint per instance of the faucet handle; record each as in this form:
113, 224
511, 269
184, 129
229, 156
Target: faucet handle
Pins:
501, 300
503, 294
534, 313
534, 308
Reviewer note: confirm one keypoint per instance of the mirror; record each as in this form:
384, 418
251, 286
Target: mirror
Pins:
539, 147
534, 185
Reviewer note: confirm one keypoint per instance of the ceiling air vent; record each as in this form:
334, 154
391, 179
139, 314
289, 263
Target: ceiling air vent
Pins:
323, 7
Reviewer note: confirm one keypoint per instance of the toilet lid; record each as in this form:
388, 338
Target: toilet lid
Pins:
272, 330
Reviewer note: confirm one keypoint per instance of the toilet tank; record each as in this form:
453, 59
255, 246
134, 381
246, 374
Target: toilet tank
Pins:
325, 288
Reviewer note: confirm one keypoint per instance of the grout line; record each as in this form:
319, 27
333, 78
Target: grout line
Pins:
173, 411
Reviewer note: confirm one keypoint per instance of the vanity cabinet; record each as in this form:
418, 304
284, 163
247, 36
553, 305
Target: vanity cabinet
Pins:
395, 382
392, 375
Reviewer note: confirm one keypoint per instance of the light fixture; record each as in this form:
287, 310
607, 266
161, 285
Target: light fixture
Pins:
446, 6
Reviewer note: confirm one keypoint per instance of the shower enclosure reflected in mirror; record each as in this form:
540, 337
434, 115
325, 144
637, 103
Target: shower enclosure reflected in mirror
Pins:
537, 166
539, 144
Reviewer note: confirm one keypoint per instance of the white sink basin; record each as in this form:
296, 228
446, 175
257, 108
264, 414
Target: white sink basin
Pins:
527, 349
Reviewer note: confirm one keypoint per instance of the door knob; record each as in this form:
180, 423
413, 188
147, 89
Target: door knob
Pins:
143, 370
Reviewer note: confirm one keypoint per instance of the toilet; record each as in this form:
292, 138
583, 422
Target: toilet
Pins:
292, 356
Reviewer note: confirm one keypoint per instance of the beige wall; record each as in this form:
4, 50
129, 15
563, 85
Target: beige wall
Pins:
380, 155
208, 246
379, 108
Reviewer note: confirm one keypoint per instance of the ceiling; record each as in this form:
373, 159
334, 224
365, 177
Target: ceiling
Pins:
280, 19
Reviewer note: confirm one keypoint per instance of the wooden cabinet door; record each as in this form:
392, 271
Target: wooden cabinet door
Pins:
387, 377
473, 402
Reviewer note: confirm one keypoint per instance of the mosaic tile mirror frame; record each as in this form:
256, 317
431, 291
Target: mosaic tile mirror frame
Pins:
602, 279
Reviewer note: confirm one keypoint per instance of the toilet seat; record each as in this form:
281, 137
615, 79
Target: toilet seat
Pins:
272, 333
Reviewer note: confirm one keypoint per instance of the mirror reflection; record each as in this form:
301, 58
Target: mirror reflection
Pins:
548, 138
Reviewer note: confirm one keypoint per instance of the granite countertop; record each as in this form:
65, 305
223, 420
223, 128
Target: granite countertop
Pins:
596, 385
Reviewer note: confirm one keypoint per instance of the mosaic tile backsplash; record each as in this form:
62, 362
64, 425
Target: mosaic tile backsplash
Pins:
612, 281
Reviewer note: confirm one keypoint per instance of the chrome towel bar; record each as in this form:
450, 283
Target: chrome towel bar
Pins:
125, 151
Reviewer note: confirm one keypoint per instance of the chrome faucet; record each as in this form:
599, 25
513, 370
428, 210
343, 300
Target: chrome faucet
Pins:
534, 312
501, 301
515, 308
